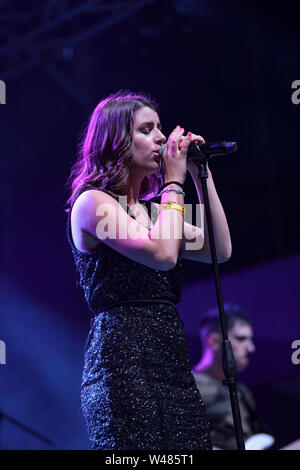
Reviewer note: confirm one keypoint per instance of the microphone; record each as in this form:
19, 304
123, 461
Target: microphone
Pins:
201, 152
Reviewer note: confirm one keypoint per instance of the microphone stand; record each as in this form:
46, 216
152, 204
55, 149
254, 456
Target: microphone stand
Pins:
229, 366
25, 428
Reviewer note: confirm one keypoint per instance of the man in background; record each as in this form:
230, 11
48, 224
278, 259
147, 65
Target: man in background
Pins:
209, 376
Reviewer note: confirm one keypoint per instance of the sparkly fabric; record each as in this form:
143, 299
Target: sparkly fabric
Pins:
138, 391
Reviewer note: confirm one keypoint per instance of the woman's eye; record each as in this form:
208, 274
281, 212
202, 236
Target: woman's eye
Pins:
146, 131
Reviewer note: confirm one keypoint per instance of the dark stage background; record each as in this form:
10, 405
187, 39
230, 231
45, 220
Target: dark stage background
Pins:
221, 69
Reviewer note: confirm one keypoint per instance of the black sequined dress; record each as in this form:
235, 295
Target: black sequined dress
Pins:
138, 391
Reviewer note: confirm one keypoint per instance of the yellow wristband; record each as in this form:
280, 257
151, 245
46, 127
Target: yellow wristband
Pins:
177, 207
171, 205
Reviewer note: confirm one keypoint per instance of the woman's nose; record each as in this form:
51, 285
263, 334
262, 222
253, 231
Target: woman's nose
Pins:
160, 137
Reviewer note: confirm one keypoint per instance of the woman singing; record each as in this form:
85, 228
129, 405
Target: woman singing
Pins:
138, 391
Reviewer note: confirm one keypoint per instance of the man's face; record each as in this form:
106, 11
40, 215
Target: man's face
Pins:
241, 338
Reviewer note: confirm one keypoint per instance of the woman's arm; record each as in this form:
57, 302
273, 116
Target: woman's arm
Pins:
195, 242
221, 230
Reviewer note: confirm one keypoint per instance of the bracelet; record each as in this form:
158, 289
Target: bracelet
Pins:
171, 182
171, 205
178, 191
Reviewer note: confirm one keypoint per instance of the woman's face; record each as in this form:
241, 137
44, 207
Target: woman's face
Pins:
147, 141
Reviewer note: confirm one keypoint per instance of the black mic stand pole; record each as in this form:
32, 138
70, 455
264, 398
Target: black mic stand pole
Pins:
37, 435
227, 354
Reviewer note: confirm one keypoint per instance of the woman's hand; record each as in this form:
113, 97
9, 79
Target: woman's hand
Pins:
191, 165
174, 155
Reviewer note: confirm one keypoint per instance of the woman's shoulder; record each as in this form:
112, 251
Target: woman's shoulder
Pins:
90, 196
85, 208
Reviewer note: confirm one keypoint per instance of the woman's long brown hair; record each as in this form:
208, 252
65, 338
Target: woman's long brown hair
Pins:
105, 150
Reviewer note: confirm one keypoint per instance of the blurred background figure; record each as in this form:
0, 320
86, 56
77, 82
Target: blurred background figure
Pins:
209, 377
